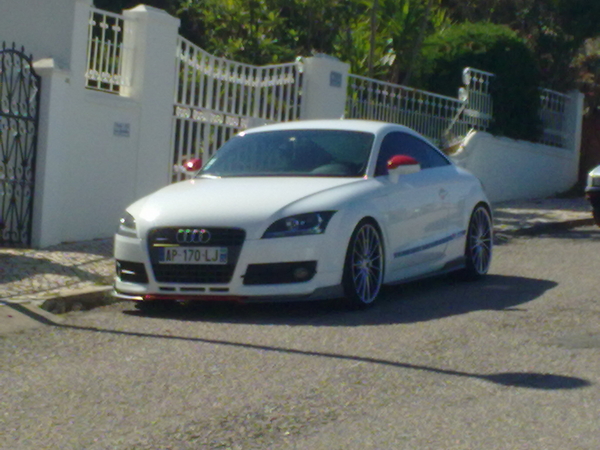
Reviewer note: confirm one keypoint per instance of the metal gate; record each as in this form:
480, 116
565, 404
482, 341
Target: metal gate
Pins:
19, 103
216, 98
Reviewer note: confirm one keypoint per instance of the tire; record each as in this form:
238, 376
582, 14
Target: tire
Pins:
478, 246
596, 215
364, 266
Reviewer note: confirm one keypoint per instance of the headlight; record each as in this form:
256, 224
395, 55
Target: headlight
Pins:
593, 181
300, 225
127, 226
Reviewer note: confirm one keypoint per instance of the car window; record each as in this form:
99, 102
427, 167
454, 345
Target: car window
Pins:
399, 143
293, 153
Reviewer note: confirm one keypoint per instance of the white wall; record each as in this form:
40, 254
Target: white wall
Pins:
43, 27
86, 172
511, 170
515, 170
324, 87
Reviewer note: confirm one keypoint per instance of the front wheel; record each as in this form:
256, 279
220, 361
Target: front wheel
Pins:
478, 248
363, 267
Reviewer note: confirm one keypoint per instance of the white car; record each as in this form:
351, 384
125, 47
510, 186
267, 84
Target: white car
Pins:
592, 193
306, 210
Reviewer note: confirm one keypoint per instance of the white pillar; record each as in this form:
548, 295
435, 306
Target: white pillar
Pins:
52, 152
574, 114
152, 41
324, 88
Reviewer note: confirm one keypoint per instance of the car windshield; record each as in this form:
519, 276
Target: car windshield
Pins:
334, 153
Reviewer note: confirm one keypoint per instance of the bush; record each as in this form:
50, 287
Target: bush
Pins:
491, 48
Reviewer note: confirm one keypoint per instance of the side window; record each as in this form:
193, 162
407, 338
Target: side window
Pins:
388, 149
432, 156
399, 143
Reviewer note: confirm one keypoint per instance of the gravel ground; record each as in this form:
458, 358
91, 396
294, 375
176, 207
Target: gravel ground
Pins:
507, 363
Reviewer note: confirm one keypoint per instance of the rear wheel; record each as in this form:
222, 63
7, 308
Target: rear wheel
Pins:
363, 268
478, 248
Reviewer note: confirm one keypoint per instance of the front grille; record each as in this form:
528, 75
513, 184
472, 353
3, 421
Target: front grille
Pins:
232, 238
219, 237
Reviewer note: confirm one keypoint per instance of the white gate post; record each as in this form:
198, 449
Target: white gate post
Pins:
574, 115
324, 87
62, 83
152, 42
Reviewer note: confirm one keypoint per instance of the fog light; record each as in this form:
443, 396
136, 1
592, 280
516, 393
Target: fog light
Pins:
280, 273
301, 273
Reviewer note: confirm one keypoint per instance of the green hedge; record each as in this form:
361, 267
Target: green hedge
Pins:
491, 48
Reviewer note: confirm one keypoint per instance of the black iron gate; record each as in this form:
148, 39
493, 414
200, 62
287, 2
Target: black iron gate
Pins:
19, 104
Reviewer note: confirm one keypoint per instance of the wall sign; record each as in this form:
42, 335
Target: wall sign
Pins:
335, 79
121, 129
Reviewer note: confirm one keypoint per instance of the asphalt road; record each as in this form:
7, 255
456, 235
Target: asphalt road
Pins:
511, 362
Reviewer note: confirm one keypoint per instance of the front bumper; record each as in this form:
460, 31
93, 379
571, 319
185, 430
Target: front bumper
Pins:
294, 268
592, 194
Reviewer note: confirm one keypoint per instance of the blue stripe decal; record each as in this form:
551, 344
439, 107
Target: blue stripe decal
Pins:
412, 251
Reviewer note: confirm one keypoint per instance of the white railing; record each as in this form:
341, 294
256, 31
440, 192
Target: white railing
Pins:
553, 109
438, 117
445, 120
216, 98
480, 106
246, 91
105, 51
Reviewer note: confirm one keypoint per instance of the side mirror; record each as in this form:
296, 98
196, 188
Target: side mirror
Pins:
189, 167
402, 165
192, 165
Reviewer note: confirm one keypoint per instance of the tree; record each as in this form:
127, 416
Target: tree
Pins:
586, 72
492, 48
402, 25
554, 29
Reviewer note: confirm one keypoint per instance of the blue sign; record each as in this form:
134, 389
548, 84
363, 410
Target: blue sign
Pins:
335, 79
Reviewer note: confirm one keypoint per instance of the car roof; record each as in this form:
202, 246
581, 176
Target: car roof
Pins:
368, 126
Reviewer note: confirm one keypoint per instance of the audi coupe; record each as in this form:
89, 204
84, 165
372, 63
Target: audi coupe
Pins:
305, 210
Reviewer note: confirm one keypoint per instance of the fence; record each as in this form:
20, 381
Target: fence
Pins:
105, 52
445, 119
553, 115
216, 98
19, 105
126, 95
438, 117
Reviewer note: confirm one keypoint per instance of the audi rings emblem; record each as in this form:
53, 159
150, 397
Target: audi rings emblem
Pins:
193, 236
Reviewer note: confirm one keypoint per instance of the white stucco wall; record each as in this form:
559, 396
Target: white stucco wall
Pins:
87, 173
324, 87
512, 170
43, 27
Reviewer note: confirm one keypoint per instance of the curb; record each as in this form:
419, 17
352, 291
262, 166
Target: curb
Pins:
546, 227
79, 300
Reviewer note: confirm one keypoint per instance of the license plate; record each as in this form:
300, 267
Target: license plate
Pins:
192, 255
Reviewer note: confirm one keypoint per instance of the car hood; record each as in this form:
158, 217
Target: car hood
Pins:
595, 172
240, 202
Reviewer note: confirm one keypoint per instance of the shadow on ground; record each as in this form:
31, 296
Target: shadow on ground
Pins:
414, 302
586, 233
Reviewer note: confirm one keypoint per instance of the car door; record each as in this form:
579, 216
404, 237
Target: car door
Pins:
417, 216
